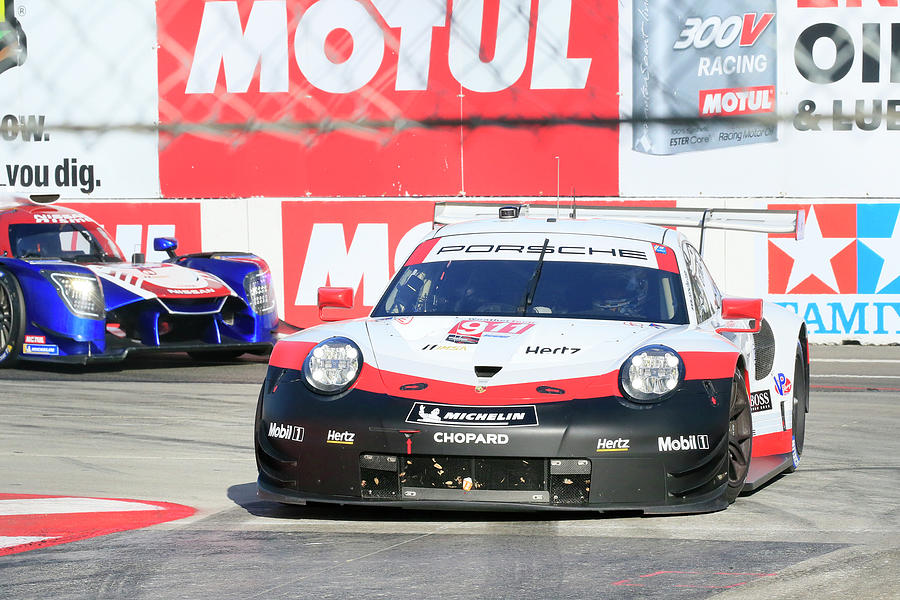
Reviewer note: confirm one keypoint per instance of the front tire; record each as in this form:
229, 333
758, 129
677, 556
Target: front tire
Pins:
12, 319
740, 437
800, 406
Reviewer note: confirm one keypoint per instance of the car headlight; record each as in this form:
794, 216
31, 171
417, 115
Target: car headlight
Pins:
333, 365
258, 286
651, 374
81, 294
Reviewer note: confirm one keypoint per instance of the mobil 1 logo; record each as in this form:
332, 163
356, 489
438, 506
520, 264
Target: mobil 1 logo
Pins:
682, 443
282, 431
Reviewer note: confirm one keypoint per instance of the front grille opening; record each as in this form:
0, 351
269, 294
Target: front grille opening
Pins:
415, 477
446, 472
178, 328
570, 489
378, 477
380, 485
192, 305
131, 322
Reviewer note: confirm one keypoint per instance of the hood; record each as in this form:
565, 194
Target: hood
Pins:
490, 352
162, 280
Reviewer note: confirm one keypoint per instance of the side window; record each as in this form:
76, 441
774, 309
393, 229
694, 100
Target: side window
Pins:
703, 289
709, 285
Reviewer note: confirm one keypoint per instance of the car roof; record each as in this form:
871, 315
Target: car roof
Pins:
15, 210
598, 227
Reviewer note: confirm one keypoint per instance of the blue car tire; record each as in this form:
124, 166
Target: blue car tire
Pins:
12, 319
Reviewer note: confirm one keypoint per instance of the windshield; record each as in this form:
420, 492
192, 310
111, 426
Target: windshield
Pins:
584, 290
78, 242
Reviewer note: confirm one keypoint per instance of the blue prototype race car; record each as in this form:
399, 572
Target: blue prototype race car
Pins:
67, 294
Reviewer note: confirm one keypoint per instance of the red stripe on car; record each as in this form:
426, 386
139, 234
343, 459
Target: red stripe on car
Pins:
709, 365
768, 444
290, 355
558, 390
421, 252
665, 261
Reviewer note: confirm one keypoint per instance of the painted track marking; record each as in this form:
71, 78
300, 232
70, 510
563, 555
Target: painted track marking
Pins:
58, 506
29, 522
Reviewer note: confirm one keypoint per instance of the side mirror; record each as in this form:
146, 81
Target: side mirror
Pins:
734, 309
167, 245
335, 297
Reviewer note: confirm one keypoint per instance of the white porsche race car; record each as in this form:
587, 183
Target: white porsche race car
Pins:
538, 362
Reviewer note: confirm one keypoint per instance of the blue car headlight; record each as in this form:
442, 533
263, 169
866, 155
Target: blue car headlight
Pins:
651, 374
258, 286
81, 293
332, 366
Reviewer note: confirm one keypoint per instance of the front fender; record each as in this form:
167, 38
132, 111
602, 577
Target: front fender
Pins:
47, 313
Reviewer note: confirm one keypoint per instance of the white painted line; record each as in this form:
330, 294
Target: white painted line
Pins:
59, 506
857, 360
832, 376
8, 541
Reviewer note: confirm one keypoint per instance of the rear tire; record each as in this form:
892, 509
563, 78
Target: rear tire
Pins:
800, 406
740, 437
215, 355
12, 319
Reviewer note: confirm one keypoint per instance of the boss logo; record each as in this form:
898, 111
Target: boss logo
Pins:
760, 401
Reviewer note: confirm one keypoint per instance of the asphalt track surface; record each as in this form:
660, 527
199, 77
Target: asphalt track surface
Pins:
167, 429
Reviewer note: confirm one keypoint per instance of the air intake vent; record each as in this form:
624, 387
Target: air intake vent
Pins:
486, 371
765, 350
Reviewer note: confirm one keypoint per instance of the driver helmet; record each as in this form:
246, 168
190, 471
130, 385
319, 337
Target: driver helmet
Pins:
619, 292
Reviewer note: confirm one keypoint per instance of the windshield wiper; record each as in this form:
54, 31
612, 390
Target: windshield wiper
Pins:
532, 284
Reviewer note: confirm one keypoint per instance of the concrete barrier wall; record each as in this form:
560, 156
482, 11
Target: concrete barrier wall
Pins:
843, 278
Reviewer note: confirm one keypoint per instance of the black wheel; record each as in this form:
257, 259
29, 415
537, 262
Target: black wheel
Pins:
12, 319
801, 405
215, 355
740, 437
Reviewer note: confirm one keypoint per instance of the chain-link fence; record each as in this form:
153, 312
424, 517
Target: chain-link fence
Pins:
430, 97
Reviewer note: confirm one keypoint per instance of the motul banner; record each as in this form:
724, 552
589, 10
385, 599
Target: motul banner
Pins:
346, 244
388, 97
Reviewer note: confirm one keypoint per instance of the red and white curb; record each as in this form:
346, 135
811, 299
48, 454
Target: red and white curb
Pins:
28, 521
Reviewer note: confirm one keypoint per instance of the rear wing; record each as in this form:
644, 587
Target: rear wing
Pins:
730, 219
